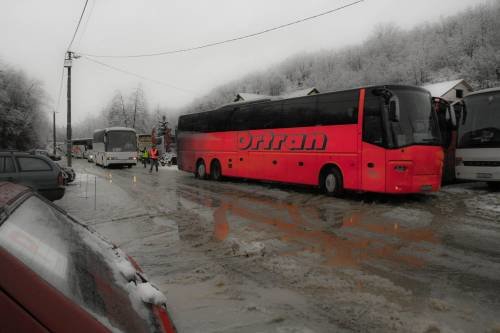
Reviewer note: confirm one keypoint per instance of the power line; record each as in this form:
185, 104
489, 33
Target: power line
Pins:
139, 76
227, 40
78, 25
85, 24
58, 101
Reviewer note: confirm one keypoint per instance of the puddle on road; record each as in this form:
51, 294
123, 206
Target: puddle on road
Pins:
342, 237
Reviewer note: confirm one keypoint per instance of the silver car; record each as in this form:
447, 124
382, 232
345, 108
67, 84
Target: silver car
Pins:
36, 171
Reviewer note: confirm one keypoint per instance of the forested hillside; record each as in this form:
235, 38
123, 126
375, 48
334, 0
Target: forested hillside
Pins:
23, 111
465, 46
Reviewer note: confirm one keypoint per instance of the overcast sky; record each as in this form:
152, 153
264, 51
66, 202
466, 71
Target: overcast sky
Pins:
35, 34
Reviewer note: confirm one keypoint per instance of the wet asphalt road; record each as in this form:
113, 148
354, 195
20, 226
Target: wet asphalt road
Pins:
237, 256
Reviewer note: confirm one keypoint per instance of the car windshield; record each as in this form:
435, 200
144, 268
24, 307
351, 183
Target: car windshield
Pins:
417, 123
121, 141
74, 261
480, 125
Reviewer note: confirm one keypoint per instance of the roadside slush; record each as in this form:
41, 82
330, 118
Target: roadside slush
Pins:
246, 257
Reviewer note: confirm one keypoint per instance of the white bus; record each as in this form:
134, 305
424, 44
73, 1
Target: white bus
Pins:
115, 146
478, 148
81, 147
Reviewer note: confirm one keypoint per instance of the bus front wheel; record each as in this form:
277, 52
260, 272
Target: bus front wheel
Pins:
201, 170
215, 171
331, 182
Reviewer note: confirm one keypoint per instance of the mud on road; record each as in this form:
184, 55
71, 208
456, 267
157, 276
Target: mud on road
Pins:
235, 256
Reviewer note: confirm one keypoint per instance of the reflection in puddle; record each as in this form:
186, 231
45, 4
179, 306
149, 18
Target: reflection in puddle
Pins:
342, 239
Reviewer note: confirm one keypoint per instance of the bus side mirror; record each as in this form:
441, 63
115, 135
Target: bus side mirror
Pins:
394, 115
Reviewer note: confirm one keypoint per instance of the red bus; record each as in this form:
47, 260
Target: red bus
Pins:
378, 139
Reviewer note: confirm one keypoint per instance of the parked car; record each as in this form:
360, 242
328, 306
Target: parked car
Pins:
68, 173
90, 157
168, 159
58, 275
36, 171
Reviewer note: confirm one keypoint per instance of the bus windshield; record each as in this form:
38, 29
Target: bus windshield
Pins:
480, 125
121, 141
416, 122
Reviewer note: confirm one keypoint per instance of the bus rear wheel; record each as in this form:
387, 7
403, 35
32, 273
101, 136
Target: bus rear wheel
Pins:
215, 171
331, 182
201, 170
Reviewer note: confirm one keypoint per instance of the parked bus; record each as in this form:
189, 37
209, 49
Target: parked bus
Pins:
378, 139
478, 149
448, 129
115, 146
81, 147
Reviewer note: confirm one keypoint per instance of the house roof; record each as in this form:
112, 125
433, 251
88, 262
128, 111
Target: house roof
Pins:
300, 93
442, 88
247, 97
485, 91
250, 97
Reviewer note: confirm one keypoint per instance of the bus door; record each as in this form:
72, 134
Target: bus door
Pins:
373, 152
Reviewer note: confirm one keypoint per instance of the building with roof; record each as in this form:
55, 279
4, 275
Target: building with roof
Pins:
247, 97
449, 90
301, 93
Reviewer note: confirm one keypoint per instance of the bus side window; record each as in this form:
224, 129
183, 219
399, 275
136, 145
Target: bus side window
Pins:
239, 118
300, 112
338, 108
372, 122
219, 120
267, 115
256, 116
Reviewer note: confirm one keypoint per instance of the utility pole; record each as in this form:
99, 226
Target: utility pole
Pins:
54, 132
69, 144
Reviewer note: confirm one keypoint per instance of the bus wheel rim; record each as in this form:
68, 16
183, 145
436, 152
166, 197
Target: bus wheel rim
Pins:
330, 183
201, 170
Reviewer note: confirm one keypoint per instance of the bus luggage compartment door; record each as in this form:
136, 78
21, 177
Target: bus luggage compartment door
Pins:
372, 168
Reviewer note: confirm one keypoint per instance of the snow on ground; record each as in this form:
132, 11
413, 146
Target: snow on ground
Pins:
254, 257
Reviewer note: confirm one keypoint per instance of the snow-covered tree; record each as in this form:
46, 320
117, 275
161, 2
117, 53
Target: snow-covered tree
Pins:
23, 117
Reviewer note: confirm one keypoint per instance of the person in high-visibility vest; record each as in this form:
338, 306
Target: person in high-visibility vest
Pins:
153, 156
145, 156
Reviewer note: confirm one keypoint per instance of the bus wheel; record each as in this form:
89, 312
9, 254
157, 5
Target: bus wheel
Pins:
331, 182
201, 170
215, 171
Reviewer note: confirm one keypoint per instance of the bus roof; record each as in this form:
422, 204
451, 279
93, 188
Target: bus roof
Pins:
484, 91
115, 129
281, 98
